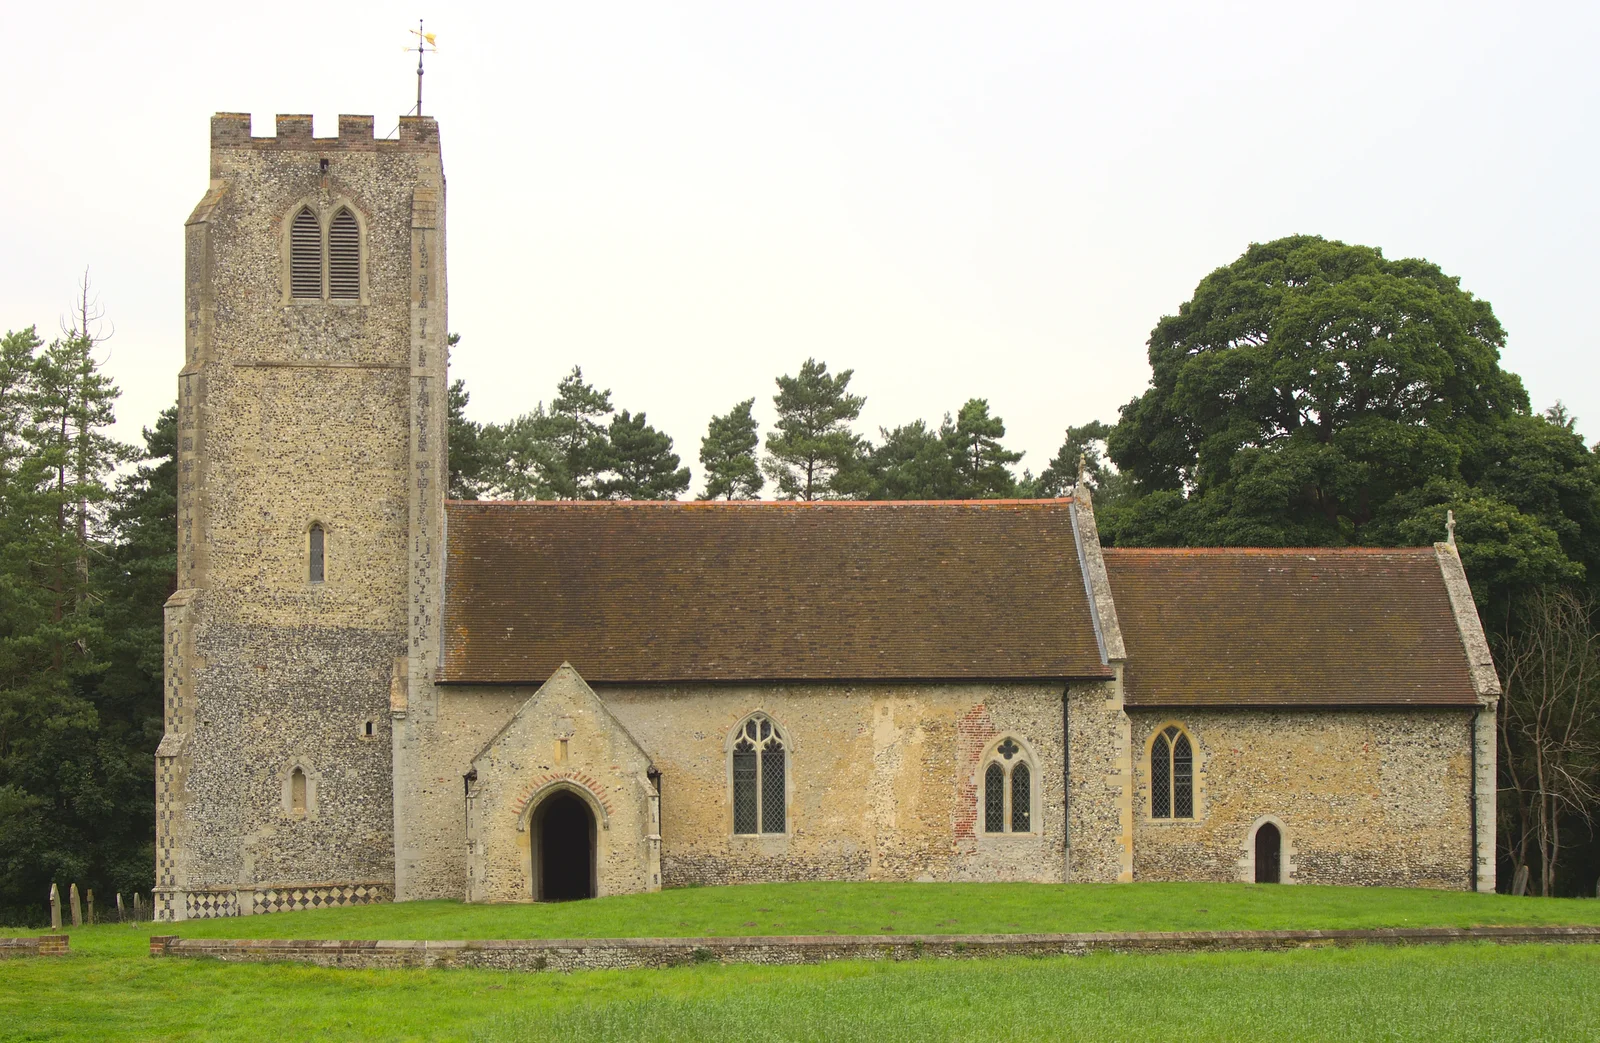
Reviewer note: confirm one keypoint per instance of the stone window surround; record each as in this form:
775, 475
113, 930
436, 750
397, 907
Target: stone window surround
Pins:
729, 739
1024, 755
324, 207
1201, 759
327, 554
313, 789
1286, 851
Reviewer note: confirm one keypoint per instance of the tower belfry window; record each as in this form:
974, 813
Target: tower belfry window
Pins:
305, 256
344, 257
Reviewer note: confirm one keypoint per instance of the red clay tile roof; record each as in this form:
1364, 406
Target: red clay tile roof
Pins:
653, 592
1234, 627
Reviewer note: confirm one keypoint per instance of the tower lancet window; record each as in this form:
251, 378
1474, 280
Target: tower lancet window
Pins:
1172, 775
318, 554
305, 256
344, 257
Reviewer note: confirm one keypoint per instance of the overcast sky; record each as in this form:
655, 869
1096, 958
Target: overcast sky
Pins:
995, 200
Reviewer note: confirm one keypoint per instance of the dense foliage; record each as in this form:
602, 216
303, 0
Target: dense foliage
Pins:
1313, 393
86, 562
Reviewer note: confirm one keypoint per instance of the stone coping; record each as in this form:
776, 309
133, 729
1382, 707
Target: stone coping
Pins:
568, 954
43, 945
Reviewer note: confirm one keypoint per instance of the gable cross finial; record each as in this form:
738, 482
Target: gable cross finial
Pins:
1450, 527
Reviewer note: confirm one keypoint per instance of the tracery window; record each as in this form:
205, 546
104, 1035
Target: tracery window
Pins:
760, 786
305, 256
1172, 774
1008, 790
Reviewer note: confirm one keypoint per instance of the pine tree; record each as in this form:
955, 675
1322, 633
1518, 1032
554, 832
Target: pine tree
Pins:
641, 463
468, 465
579, 442
912, 463
728, 454
981, 462
813, 454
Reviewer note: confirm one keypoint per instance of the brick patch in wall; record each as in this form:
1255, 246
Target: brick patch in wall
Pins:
43, 945
575, 954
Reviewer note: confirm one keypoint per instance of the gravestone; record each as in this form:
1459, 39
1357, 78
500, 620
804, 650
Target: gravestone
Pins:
55, 908
77, 906
138, 913
1519, 883
119, 907
91, 907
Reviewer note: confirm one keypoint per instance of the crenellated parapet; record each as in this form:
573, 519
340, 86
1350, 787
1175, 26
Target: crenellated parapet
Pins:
293, 134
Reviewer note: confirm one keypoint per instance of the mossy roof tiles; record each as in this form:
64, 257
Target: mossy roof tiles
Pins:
713, 592
1315, 627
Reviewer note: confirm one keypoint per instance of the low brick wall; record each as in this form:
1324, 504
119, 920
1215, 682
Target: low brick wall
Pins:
574, 954
43, 945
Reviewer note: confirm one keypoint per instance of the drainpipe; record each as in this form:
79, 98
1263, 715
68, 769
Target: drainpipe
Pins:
1066, 786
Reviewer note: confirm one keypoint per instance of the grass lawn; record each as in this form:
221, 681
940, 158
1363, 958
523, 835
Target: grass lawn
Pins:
110, 989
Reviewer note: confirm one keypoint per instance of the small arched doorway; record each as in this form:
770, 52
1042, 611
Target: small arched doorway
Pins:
1269, 847
564, 838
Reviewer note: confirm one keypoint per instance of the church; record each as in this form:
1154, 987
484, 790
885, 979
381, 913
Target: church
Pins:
373, 693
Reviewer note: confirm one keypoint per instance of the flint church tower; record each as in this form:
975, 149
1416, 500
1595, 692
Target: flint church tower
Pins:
311, 463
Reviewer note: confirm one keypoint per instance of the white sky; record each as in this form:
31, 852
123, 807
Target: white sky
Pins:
687, 199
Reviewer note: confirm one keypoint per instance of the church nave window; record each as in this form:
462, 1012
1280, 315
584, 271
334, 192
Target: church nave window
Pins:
1171, 774
1008, 790
760, 778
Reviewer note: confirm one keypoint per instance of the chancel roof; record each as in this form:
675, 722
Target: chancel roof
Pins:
1253, 627
635, 592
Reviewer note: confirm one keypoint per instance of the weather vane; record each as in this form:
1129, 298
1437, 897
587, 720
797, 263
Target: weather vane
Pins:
425, 45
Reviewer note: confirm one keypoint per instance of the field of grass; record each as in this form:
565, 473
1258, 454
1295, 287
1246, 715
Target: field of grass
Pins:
840, 908
110, 989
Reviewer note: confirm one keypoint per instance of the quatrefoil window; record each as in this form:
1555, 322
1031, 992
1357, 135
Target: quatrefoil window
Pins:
1008, 749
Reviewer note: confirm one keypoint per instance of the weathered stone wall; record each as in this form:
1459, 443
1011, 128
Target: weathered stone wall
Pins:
883, 780
579, 954
1363, 796
1098, 783
291, 413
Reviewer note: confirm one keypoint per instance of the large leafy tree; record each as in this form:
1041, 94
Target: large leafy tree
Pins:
813, 454
1315, 393
641, 464
728, 454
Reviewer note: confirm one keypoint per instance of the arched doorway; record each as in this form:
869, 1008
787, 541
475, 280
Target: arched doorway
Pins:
1269, 846
564, 836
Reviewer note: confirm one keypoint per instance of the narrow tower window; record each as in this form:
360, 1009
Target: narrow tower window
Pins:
305, 256
317, 554
297, 791
344, 257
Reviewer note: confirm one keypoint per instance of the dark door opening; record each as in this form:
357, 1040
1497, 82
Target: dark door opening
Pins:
1269, 842
566, 849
